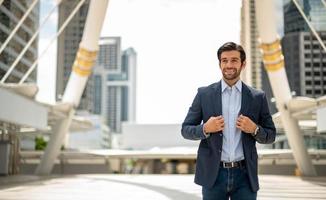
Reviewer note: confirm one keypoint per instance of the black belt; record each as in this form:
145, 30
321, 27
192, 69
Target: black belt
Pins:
236, 164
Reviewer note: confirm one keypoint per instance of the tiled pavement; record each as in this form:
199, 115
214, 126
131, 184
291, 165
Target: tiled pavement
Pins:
151, 187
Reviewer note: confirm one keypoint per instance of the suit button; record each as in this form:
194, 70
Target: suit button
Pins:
219, 151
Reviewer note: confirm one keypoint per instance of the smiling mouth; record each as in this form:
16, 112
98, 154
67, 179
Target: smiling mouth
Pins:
230, 71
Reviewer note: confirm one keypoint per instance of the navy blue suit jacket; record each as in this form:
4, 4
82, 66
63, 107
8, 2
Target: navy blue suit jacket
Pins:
208, 103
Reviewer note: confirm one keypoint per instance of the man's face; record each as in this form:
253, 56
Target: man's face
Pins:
231, 65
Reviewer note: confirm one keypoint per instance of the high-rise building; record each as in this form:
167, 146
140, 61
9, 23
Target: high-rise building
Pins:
113, 84
11, 11
68, 44
129, 64
305, 60
249, 40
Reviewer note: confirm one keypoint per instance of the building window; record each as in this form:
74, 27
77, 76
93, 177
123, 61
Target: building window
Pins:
308, 73
315, 46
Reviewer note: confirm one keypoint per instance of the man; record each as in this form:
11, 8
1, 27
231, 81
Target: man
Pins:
235, 117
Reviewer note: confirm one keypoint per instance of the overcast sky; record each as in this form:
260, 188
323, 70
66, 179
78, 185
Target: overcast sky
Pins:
176, 42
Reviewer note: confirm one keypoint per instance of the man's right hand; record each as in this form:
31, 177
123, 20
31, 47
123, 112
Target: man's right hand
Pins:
214, 124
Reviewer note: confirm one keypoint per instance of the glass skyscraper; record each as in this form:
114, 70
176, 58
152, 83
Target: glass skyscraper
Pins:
313, 9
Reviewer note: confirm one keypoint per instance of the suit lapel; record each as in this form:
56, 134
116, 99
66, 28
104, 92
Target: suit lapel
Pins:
217, 99
216, 141
246, 98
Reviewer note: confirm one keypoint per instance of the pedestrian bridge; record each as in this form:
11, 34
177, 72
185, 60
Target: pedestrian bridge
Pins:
159, 160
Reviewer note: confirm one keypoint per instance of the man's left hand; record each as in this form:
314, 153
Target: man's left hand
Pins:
245, 124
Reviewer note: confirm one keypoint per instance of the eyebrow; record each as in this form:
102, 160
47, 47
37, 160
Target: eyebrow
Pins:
231, 58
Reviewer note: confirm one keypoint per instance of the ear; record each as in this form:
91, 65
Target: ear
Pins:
243, 65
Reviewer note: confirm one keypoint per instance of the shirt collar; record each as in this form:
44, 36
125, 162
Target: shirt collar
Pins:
238, 85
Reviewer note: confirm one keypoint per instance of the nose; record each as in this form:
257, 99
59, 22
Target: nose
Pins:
228, 64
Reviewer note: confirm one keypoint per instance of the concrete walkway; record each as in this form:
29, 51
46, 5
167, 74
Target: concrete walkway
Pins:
151, 187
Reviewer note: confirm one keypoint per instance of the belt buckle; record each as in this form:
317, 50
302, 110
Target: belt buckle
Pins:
229, 164
226, 165
232, 164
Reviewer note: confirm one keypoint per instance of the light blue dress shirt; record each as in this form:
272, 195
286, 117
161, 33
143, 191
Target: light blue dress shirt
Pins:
232, 149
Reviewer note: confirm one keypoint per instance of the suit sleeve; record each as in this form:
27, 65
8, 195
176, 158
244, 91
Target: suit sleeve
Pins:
267, 131
192, 128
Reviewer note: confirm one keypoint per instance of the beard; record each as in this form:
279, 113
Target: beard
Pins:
231, 73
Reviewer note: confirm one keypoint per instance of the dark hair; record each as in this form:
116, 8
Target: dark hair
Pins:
230, 46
